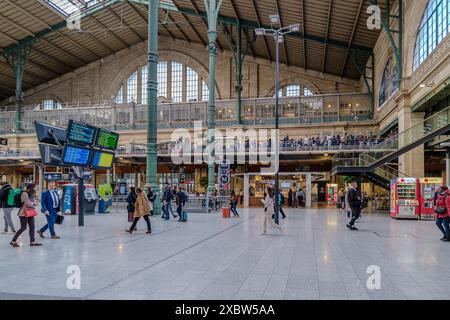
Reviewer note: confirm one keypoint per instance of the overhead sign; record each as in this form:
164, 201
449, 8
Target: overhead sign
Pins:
51, 156
82, 133
106, 139
102, 160
44, 130
52, 176
76, 156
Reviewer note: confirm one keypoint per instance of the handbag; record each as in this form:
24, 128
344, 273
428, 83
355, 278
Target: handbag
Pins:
29, 213
59, 219
440, 210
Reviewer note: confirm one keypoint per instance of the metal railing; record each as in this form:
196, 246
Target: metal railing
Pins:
255, 112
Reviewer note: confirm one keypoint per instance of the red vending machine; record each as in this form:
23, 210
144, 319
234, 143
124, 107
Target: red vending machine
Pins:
405, 198
331, 193
428, 186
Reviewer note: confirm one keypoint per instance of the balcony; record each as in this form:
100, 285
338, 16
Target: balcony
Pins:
321, 109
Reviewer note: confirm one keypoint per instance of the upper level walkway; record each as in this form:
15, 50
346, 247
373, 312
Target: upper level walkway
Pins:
259, 112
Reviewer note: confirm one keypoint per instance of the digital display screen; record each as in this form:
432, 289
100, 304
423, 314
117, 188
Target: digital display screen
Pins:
107, 140
81, 133
50, 155
76, 156
102, 160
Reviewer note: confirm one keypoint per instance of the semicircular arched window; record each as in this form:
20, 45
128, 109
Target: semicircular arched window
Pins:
435, 26
48, 104
389, 83
177, 82
295, 90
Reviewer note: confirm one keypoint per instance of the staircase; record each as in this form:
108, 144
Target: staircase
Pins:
372, 163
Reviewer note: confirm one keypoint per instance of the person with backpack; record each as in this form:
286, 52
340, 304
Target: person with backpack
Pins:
26, 215
6, 207
281, 201
181, 198
142, 210
442, 210
233, 204
131, 200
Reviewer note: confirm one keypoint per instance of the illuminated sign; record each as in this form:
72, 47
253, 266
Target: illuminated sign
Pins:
81, 133
107, 140
102, 160
75, 155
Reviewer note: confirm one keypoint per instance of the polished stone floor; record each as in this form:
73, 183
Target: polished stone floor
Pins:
314, 257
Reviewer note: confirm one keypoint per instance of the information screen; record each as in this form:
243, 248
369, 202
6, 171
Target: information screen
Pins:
102, 160
76, 156
81, 133
107, 139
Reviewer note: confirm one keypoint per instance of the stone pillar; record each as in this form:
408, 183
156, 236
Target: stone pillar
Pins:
412, 163
308, 192
246, 190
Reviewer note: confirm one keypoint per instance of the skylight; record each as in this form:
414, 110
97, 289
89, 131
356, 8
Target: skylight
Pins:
67, 7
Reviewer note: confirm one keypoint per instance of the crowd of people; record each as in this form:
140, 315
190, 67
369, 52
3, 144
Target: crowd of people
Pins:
141, 205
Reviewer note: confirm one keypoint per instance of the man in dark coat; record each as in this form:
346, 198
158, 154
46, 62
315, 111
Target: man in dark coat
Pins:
354, 201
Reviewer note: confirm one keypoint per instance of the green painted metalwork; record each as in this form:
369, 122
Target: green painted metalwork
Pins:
152, 104
397, 47
213, 12
238, 58
368, 74
17, 59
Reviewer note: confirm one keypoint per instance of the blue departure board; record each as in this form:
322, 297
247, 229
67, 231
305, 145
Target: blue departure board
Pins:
81, 133
76, 156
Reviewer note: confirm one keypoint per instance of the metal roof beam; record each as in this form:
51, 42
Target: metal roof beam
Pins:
125, 24
352, 35
259, 25
254, 25
326, 36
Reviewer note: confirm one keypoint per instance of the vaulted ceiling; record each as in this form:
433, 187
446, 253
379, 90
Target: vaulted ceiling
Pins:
331, 30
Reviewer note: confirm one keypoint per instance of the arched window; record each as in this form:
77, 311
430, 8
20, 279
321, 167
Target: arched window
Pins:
294, 90
434, 27
389, 83
177, 82
48, 104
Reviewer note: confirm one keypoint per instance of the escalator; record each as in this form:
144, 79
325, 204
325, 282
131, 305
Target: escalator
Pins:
372, 164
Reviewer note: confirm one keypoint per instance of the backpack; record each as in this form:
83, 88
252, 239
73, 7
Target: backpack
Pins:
17, 198
282, 198
185, 196
12, 194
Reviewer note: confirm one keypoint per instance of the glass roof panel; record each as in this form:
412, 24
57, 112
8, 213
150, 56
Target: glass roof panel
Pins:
67, 7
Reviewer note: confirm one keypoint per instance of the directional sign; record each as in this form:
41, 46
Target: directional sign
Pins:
224, 178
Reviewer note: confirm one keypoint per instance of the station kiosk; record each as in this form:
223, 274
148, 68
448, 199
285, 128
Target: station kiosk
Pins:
405, 194
428, 187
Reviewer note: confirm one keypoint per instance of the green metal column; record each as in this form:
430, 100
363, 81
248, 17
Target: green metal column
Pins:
239, 62
213, 11
152, 104
17, 58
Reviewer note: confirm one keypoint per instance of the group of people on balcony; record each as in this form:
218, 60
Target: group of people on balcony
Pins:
331, 141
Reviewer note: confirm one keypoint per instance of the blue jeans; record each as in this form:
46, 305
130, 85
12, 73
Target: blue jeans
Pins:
169, 205
165, 212
444, 225
50, 223
233, 209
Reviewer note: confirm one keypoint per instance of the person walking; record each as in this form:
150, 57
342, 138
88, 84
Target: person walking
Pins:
7, 209
301, 198
142, 210
50, 206
442, 210
131, 200
167, 202
269, 210
294, 199
181, 202
233, 204
342, 199
290, 198
26, 215
151, 196
281, 201
354, 201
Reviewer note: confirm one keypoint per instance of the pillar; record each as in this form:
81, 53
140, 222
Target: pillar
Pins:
308, 192
152, 103
412, 163
40, 179
246, 190
447, 167
108, 176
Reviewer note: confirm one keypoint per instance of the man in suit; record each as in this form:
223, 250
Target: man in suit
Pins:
50, 205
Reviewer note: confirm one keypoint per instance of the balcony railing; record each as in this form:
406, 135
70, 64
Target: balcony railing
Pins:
255, 112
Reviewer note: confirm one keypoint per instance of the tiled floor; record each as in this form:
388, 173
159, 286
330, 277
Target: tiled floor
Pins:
315, 257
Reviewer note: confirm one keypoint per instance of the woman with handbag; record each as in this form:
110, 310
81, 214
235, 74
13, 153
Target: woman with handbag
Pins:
269, 210
26, 215
142, 209
442, 213
131, 200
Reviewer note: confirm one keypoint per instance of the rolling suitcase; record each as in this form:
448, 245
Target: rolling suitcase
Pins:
226, 212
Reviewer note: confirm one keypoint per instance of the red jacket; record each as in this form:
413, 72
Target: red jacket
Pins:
443, 200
